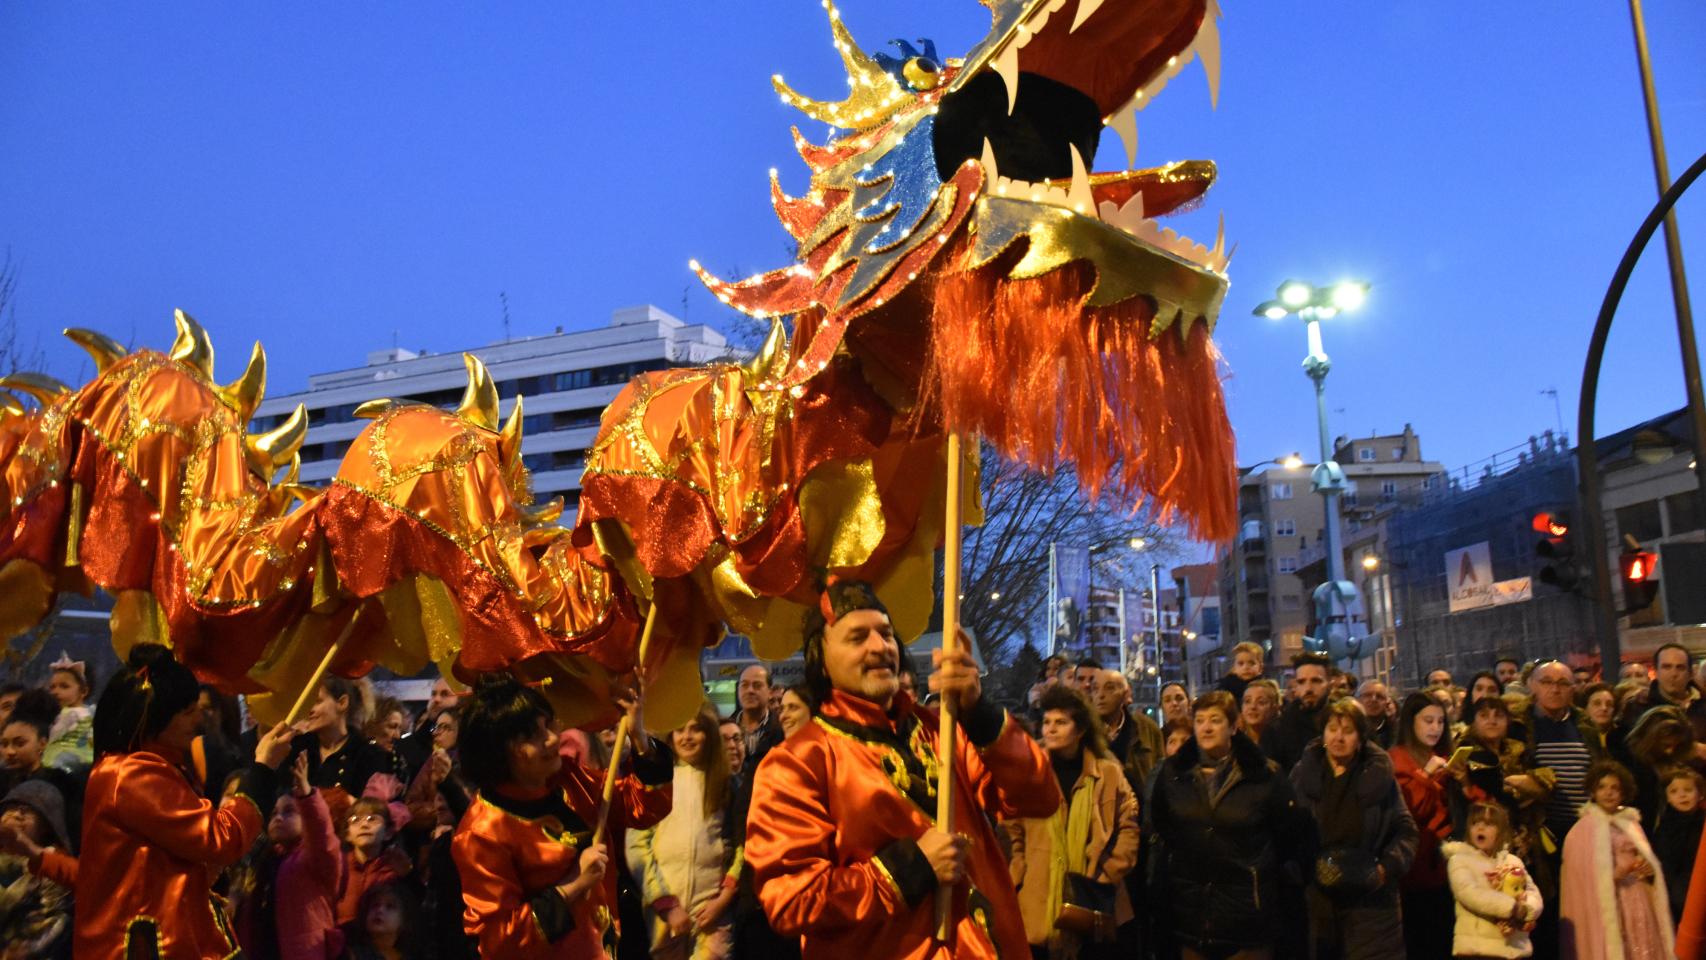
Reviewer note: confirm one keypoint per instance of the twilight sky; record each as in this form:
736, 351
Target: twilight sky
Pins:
326, 176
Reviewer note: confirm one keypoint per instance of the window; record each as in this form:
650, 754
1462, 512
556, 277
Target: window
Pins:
1429, 481
1388, 489
1285, 528
1281, 491
1350, 495
1287, 564
1640, 520
1366, 454
1680, 508
1397, 453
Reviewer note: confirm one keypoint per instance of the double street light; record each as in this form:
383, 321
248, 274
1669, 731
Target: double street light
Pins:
1338, 607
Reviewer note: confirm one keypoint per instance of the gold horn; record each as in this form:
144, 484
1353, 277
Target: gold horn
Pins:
193, 348
244, 394
373, 409
772, 359
509, 438
541, 513
874, 94
42, 387
9, 404
266, 452
479, 404
103, 348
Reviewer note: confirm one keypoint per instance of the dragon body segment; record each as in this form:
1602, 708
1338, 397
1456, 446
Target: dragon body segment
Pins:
958, 269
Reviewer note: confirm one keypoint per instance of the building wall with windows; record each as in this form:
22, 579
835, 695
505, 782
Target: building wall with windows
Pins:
566, 378
1281, 520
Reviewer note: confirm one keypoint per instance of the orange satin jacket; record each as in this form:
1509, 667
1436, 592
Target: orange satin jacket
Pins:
152, 846
837, 810
512, 850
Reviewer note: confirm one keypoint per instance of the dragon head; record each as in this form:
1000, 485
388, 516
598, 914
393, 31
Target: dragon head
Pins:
959, 211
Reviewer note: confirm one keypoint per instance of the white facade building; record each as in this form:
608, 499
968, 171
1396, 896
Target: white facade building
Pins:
566, 380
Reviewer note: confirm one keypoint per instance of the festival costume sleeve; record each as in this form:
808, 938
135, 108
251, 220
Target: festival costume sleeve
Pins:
792, 846
1121, 856
496, 910
1010, 771
643, 796
181, 822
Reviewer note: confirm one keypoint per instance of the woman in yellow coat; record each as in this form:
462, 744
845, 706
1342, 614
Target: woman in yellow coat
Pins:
1070, 867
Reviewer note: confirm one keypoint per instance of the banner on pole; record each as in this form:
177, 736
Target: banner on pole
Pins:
1069, 593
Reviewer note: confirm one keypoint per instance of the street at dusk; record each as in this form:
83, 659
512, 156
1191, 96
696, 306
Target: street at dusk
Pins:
1155, 479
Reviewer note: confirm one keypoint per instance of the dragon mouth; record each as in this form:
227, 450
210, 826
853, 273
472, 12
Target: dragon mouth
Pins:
1030, 103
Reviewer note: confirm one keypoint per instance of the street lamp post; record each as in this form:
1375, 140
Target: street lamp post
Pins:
1336, 601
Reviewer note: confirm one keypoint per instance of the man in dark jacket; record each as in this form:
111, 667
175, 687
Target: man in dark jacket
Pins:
1134, 738
758, 724
1300, 721
1673, 686
1561, 742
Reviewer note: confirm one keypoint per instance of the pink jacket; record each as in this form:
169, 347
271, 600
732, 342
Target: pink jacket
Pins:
307, 887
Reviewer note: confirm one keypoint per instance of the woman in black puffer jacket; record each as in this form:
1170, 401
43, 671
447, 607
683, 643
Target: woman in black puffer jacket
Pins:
1225, 822
1367, 840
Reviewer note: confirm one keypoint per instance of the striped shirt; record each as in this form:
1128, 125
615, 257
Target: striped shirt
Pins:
1558, 745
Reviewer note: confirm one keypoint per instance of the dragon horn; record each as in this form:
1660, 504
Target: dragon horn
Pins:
373, 409
509, 438
479, 404
874, 93
772, 359
266, 452
193, 348
10, 405
245, 393
42, 387
541, 513
103, 348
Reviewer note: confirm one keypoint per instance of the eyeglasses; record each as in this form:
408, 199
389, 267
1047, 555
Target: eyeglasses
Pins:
1560, 682
364, 818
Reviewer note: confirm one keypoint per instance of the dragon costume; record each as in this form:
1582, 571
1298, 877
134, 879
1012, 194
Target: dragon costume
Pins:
959, 268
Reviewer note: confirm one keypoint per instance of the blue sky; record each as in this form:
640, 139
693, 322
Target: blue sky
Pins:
323, 176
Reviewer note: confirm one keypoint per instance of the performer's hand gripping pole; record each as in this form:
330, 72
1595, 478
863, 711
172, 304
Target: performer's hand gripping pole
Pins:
950, 707
622, 732
313, 686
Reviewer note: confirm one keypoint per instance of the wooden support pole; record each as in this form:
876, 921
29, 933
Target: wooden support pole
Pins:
949, 711
621, 745
313, 685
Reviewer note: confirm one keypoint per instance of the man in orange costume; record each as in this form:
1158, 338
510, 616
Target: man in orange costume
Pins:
842, 834
533, 882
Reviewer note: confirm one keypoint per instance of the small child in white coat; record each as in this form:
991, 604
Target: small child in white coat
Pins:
1497, 901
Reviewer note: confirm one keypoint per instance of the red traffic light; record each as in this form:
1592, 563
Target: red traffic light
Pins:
1637, 565
1550, 524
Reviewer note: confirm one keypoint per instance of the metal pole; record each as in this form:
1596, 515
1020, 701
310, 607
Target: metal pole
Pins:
1587, 456
1316, 366
1125, 661
1160, 654
1673, 255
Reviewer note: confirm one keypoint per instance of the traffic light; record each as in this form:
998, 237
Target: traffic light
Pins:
1639, 589
1556, 550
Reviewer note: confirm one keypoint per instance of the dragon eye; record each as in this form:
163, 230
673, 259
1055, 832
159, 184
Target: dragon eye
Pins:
922, 73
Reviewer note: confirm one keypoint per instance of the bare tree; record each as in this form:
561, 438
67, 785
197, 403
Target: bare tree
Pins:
15, 353
1006, 561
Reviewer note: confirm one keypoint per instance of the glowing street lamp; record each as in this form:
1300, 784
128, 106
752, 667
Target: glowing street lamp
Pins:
1337, 604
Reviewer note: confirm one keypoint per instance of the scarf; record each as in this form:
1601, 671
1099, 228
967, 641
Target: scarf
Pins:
1069, 832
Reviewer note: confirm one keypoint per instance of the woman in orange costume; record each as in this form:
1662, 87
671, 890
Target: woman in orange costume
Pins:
533, 883
842, 835
152, 843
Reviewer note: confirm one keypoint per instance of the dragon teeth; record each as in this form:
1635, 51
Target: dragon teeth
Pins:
1085, 9
1124, 123
1207, 46
1007, 68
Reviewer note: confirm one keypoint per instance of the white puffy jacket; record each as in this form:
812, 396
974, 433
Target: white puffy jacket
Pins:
683, 856
1486, 888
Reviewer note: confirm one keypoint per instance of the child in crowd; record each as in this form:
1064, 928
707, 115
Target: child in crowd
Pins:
370, 858
309, 865
1177, 733
70, 742
388, 925
1497, 902
35, 912
1676, 833
1614, 905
